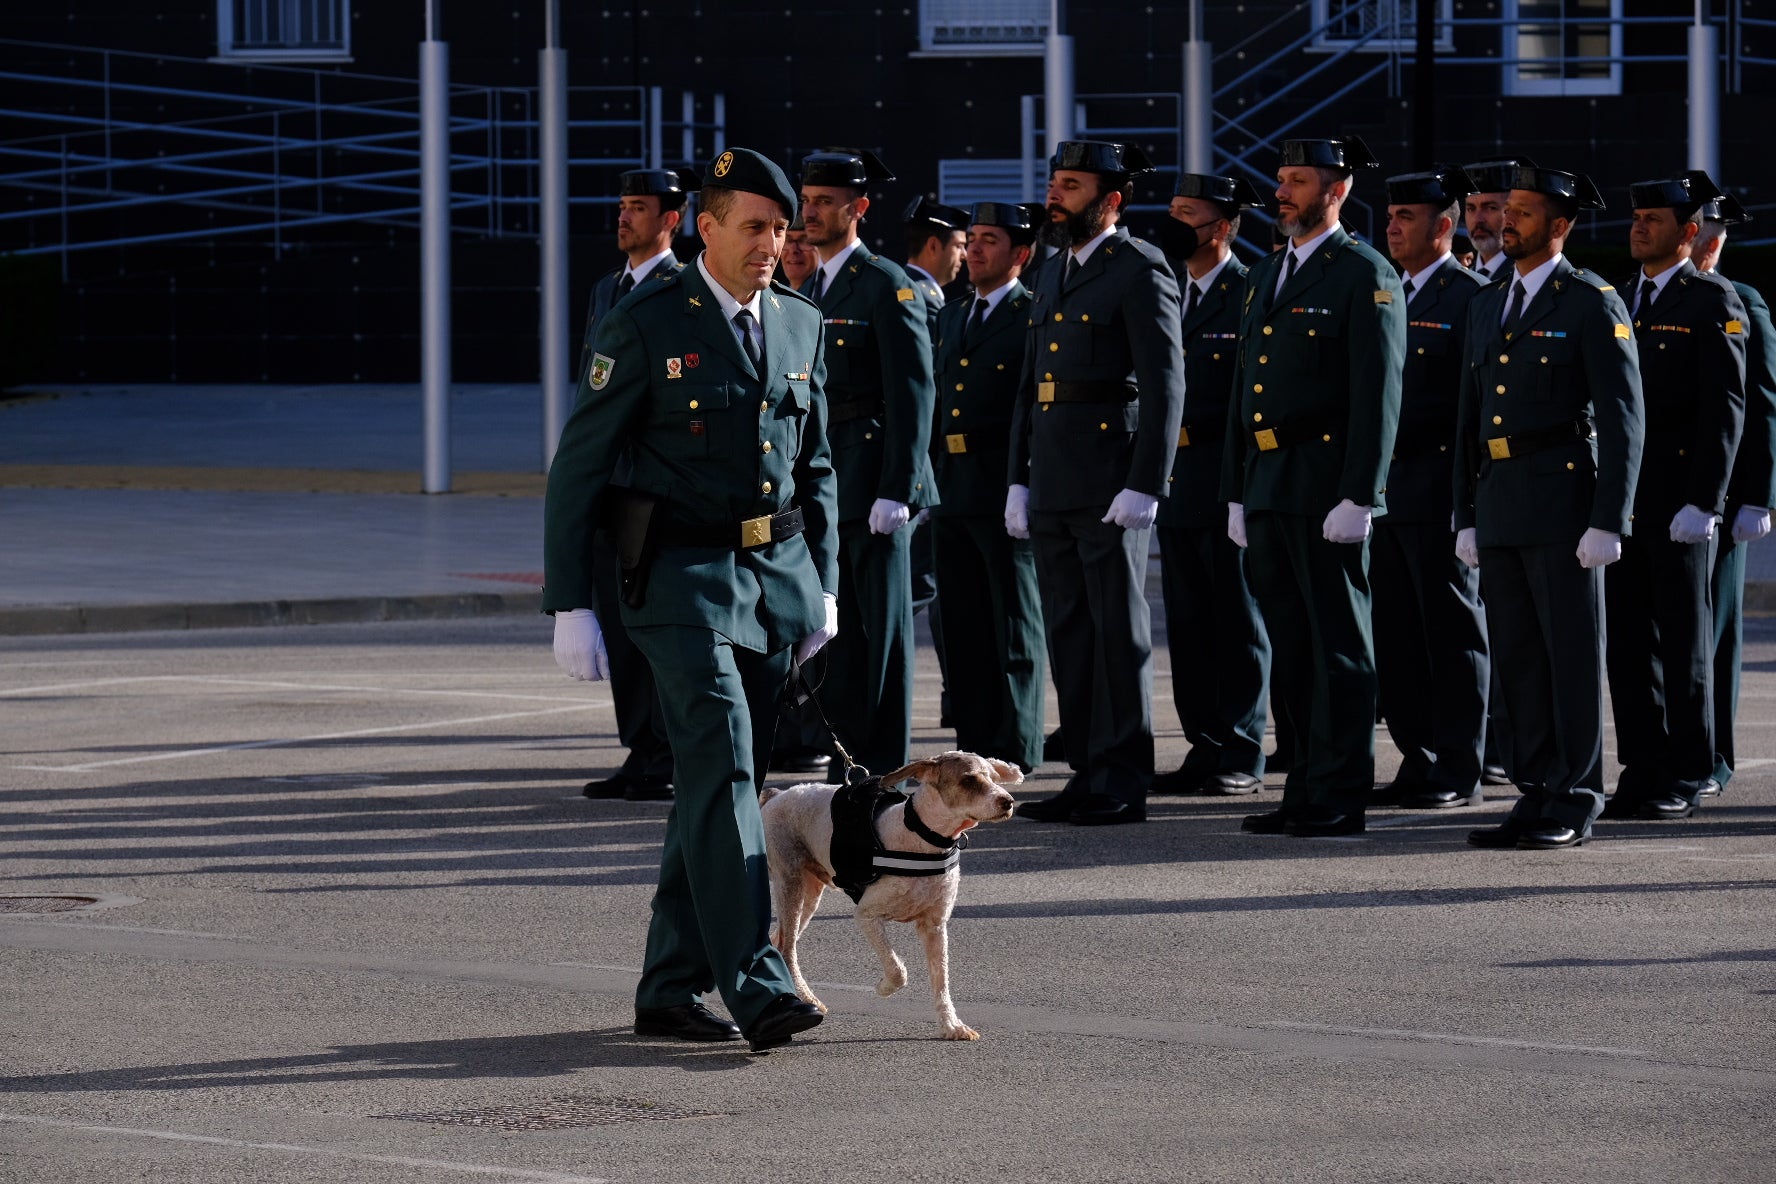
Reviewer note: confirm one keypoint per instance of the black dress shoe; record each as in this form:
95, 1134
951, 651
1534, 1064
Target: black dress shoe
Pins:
1052, 747
782, 1018
1667, 807
648, 789
1549, 836
1440, 799
1494, 775
1494, 838
1177, 781
1058, 808
1099, 810
610, 789
1710, 789
1274, 823
1233, 784
1323, 826
687, 1021
801, 760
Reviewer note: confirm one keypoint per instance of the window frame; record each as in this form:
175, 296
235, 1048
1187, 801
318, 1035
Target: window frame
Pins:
1514, 84
953, 15
229, 50
1323, 11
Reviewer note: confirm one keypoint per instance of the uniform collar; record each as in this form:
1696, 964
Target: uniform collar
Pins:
731, 307
829, 271
1305, 251
1082, 253
1422, 279
1208, 280
994, 297
637, 274
1532, 283
1659, 282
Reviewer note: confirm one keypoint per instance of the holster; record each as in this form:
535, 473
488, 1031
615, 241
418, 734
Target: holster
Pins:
631, 523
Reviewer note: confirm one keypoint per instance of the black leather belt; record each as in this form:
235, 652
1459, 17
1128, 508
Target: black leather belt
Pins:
1296, 431
849, 409
1512, 447
741, 536
1085, 392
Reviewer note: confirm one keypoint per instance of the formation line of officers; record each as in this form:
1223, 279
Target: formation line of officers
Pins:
1406, 489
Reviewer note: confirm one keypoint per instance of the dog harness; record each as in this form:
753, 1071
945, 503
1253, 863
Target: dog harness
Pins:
858, 857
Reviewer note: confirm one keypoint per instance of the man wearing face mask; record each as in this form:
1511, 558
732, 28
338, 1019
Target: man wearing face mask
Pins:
1219, 649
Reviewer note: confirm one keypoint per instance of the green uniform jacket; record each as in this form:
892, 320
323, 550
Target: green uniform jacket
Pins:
1692, 378
1211, 350
604, 297
1320, 365
1572, 356
878, 387
720, 444
1754, 468
976, 390
1430, 393
1116, 322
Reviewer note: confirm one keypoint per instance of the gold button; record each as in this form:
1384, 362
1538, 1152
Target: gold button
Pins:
1504, 359
1001, 365
1083, 317
869, 435
1103, 427
1442, 448
1680, 452
1059, 317
1328, 439
1257, 417
1048, 406
1257, 388
965, 361
1498, 419
1054, 347
1312, 332
1500, 388
955, 411
1545, 360
1217, 357
840, 341
958, 386
1048, 378
765, 488
1661, 346
1421, 349
693, 404
1263, 359
1569, 466
765, 447
765, 406
1267, 330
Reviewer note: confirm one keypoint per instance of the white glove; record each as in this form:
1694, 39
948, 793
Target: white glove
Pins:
579, 645
1692, 525
888, 516
810, 645
1132, 510
1236, 523
1751, 523
1017, 511
1599, 548
1347, 523
1467, 547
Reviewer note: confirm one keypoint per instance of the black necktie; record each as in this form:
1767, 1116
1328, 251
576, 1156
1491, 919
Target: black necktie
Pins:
1288, 274
1191, 301
1516, 308
974, 322
1072, 269
819, 283
1649, 292
743, 321
626, 284
1409, 289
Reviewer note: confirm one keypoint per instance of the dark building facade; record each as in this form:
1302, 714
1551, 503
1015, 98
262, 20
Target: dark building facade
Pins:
227, 189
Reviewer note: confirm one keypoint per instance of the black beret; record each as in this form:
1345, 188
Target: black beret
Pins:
749, 172
1100, 156
1344, 155
1020, 220
1236, 193
1494, 176
936, 213
853, 168
1684, 192
657, 183
1573, 187
1726, 210
1442, 186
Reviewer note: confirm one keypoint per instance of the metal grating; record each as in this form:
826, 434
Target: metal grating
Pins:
554, 1114
45, 904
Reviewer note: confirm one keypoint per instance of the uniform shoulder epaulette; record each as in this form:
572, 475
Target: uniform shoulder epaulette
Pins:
654, 285
1719, 281
1592, 279
1373, 257
1478, 280
1146, 250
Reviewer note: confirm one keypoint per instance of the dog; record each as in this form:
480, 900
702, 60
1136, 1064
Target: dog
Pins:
956, 791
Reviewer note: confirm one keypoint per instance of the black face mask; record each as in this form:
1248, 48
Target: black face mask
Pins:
1180, 240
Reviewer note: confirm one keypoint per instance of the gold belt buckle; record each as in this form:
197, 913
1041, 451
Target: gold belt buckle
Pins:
957, 442
1183, 437
1045, 392
1499, 447
755, 532
1267, 439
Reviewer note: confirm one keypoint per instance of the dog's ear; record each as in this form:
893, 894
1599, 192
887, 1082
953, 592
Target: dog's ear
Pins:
917, 771
1004, 772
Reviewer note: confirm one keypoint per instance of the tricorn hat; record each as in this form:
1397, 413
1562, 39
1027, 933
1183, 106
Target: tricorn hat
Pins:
1726, 210
1233, 194
1494, 176
1017, 219
1442, 186
852, 168
1345, 155
1683, 192
921, 209
1100, 156
1570, 187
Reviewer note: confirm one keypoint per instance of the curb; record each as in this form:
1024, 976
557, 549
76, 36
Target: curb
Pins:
45, 620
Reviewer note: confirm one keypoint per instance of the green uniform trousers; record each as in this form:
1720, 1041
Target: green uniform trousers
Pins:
1315, 599
1728, 591
992, 628
641, 726
712, 909
868, 690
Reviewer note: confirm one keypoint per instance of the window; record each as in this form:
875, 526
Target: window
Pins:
1390, 25
301, 30
983, 26
1563, 47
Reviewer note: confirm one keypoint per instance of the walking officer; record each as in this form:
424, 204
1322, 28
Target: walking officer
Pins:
880, 405
650, 210
1430, 633
1690, 331
1220, 651
700, 431
990, 611
1751, 490
1316, 403
1548, 445
1095, 428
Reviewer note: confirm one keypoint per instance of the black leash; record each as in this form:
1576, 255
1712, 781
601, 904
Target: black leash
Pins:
800, 691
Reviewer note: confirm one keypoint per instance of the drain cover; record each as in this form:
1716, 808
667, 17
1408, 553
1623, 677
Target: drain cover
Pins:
45, 904
554, 1114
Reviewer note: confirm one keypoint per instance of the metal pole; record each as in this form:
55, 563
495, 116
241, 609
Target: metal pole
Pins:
655, 124
1424, 87
688, 136
434, 265
1058, 78
1027, 106
1199, 111
552, 71
1705, 94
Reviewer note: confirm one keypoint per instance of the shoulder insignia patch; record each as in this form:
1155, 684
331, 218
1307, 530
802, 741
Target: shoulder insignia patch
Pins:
903, 294
1735, 326
1383, 296
1624, 332
1606, 287
599, 376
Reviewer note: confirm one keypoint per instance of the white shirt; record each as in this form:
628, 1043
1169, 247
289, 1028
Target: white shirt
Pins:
1084, 252
1490, 267
829, 271
1302, 254
1659, 282
1422, 278
731, 308
637, 274
1203, 285
1532, 283
992, 298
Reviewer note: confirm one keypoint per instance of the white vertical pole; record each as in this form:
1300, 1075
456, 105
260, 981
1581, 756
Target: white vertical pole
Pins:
434, 233
552, 239
1199, 115
1058, 78
1705, 94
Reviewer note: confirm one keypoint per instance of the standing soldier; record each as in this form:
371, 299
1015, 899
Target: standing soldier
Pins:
936, 243
991, 614
1430, 633
1548, 448
1750, 492
880, 403
704, 397
1484, 211
1220, 652
799, 259
650, 209
1096, 426
1317, 400
1690, 331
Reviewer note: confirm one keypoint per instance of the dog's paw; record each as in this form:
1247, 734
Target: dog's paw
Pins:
893, 979
960, 1031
